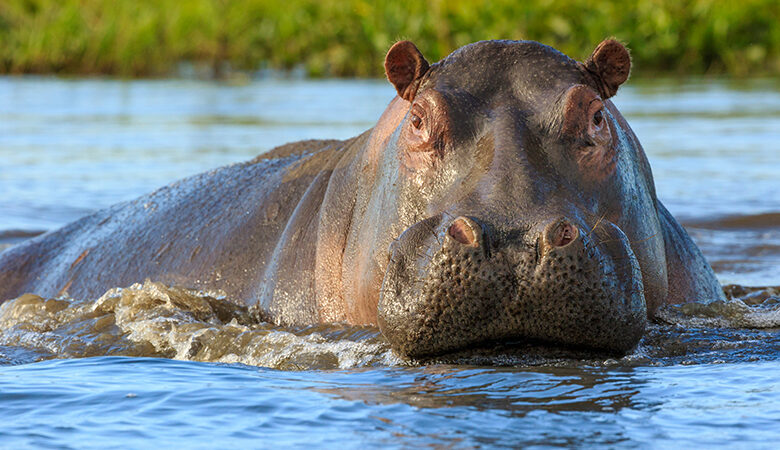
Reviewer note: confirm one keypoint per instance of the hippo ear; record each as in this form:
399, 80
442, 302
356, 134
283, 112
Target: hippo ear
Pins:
405, 66
610, 65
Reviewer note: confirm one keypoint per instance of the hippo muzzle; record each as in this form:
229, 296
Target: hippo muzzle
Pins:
454, 284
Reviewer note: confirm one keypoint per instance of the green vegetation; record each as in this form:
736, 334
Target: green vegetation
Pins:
350, 37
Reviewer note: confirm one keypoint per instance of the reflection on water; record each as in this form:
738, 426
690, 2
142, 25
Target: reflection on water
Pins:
195, 404
702, 376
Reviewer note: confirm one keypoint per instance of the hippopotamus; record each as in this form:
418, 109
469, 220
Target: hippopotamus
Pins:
500, 197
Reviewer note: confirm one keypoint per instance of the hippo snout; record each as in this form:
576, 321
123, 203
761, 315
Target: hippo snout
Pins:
453, 284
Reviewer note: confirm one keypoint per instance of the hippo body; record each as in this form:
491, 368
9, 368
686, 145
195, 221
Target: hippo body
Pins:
501, 196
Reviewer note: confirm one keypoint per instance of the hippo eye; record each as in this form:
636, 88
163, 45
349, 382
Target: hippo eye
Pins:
598, 117
416, 121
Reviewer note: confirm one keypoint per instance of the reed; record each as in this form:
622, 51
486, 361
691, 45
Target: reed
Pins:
350, 37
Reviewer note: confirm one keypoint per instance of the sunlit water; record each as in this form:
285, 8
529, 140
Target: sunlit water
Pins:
702, 376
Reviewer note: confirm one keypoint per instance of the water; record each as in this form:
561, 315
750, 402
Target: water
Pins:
78, 372
108, 401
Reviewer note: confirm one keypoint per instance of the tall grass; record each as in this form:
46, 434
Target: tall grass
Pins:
350, 37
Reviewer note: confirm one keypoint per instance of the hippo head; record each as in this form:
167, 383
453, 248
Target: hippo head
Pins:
515, 202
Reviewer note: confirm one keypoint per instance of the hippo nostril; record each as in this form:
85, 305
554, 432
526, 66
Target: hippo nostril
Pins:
462, 230
566, 233
561, 233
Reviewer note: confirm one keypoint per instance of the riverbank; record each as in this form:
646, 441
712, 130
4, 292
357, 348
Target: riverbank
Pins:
148, 38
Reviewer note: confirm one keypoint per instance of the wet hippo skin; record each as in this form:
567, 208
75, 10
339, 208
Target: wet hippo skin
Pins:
500, 196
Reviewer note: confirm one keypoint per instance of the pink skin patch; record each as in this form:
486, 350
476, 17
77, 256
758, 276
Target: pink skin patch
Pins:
425, 133
597, 163
585, 119
462, 232
412, 162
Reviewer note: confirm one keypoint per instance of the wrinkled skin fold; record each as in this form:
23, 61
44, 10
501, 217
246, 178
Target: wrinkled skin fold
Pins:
501, 196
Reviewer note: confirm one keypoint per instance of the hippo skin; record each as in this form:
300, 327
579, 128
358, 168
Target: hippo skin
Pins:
500, 197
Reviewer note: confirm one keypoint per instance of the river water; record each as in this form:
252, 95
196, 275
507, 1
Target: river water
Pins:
158, 364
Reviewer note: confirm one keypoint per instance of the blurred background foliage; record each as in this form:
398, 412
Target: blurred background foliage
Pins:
350, 37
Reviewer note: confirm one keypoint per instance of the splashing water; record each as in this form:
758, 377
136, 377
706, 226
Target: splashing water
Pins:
151, 319
757, 308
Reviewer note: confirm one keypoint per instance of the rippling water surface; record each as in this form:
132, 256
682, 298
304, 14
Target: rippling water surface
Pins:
158, 363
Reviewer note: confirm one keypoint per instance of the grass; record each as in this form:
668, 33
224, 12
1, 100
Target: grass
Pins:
350, 37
